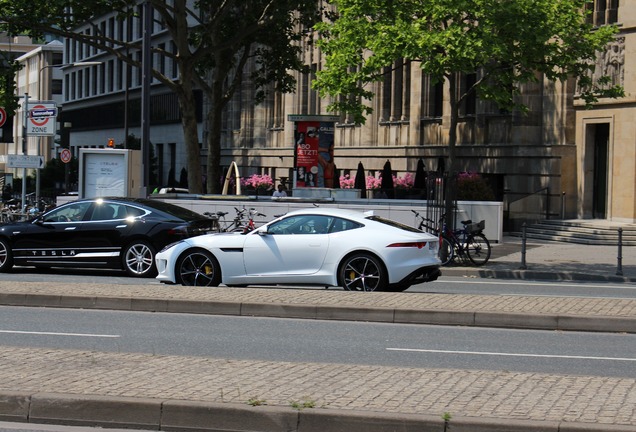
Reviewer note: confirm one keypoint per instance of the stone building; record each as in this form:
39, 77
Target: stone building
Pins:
557, 161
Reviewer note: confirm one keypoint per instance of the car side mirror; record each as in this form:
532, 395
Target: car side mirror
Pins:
262, 231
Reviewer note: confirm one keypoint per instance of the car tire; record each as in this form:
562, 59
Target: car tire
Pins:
139, 259
198, 267
362, 272
6, 256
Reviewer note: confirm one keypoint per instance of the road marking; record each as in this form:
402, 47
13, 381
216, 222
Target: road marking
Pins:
60, 334
514, 354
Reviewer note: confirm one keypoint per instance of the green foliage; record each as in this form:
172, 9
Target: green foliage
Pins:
256, 402
508, 42
306, 403
8, 68
52, 176
213, 41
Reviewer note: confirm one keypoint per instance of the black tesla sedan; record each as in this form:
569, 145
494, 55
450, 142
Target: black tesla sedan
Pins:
117, 233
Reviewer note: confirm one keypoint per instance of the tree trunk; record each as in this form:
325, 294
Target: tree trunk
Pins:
450, 189
187, 104
214, 119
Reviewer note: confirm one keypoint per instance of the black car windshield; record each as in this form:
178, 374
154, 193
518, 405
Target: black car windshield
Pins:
172, 209
393, 223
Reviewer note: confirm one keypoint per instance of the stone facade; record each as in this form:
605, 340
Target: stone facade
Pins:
541, 164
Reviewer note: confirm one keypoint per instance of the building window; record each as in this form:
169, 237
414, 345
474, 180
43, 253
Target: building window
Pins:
396, 93
602, 12
468, 106
56, 87
432, 98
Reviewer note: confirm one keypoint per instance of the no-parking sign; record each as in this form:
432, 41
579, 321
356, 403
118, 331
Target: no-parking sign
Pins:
3, 116
41, 118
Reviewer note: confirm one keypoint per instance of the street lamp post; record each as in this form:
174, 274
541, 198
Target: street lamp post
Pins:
40, 95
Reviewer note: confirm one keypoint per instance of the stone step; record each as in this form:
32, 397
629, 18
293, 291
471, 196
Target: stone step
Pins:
582, 232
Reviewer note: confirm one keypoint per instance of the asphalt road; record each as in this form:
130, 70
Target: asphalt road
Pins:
419, 346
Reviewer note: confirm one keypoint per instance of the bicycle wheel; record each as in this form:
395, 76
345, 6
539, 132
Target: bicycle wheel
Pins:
446, 251
478, 249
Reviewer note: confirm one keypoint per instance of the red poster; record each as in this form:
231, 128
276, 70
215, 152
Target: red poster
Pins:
307, 134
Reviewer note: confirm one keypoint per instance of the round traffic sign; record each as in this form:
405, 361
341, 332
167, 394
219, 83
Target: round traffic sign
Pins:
3, 116
39, 121
65, 155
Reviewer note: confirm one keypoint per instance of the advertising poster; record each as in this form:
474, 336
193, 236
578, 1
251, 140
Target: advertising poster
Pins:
314, 145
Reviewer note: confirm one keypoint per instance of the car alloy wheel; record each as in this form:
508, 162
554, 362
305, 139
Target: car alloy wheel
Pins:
6, 256
198, 268
139, 259
362, 272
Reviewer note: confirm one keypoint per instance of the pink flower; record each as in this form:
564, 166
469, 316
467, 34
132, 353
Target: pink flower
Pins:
405, 182
346, 182
373, 183
258, 181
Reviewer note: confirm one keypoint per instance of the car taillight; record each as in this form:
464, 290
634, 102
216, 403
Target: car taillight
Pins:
418, 245
179, 231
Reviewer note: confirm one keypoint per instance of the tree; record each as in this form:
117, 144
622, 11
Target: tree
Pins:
507, 43
213, 42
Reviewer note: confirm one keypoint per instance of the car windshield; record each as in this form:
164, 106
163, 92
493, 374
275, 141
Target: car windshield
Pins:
393, 223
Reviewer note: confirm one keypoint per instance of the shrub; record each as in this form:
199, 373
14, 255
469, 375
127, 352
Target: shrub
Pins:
473, 187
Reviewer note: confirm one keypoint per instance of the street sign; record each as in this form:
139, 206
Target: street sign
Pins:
65, 155
3, 116
41, 119
25, 161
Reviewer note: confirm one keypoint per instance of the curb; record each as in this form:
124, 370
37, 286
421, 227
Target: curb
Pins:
530, 274
346, 313
179, 415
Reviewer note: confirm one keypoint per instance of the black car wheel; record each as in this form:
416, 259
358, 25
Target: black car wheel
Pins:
139, 259
362, 272
198, 268
6, 256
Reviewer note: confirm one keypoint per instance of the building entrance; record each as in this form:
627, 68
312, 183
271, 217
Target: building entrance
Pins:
601, 170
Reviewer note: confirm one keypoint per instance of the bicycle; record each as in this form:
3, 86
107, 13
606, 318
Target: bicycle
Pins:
240, 223
468, 242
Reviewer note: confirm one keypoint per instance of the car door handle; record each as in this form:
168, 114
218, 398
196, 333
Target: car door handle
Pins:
69, 228
121, 226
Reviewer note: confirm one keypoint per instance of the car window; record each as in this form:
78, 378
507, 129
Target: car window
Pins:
69, 213
302, 224
129, 211
339, 224
104, 211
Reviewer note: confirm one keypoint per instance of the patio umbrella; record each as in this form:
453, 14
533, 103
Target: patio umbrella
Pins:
387, 180
360, 181
419, 183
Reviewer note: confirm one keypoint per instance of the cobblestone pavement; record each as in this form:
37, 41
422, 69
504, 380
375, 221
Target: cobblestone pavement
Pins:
470, 393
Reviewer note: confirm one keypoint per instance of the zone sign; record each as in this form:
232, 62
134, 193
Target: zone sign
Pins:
41, 119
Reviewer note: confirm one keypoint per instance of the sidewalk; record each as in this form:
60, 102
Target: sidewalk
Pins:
187, 393
547, 260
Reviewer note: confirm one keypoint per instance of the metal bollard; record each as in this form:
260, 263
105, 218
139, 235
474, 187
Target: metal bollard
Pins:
619, 268
523, 247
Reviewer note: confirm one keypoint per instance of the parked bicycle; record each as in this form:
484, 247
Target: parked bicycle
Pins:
468, 242
243, 221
